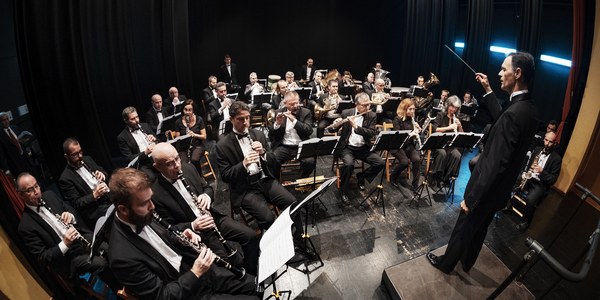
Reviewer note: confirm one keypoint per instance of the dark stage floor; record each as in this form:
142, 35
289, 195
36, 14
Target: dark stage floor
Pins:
357, 244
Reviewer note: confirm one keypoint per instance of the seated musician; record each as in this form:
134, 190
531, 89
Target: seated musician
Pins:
369, 84
184, 199
378, 97
175, 101
218, 109
447, 161
253, 88
544, 168
152, 263
192, 149
156, 114
307, 71
62, 247
247, 165
408, 153
292, 125
280, 90
329, 103
291, 83
357, 129
82, 183
136, 140
317, 89
209, 93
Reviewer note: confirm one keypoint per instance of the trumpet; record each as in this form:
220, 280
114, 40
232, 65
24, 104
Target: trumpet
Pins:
238, 271
230, 250
80, 237
344, 121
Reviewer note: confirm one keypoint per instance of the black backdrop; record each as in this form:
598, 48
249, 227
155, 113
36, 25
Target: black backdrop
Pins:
82, 62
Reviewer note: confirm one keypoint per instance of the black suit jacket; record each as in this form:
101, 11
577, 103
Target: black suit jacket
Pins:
551, 170
230, 158
80, 196
368, 88
276, 100
127, 145
303, 72
368, 129
207, 94
169, 105
169, 203
10, 157
499, 166
42, 241
303, 127
313, 94
225, 76
152, 118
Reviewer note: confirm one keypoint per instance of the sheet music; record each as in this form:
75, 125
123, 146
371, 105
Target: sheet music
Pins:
276, 246
99, 225
179, 138
314, 193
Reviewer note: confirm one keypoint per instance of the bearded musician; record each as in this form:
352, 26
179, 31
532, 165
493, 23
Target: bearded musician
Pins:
409, 151
447, 161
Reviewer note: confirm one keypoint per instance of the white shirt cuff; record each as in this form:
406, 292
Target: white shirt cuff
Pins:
63, 247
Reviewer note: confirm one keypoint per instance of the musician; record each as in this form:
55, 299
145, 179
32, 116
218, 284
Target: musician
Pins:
191, 150
156, 114
247, 165
439, 104
538, 140
82, 183
174, 203
210, 91
136, 140
50, 241
307, 71
355, 143
175, 101
447, 161
380, 96
423, 104
13, 158
228, 71
347, 79
292, 125
280, 90
369, 84
408, 153
468, 101
153, 264
218, 109
291, 83
544, 165
317, 86
329, 100
253, 87
494, 176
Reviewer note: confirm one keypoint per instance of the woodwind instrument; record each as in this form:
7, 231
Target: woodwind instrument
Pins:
416, 132
98, 181
455, 121
146, 136
80, 237
230, 250
258, 165
529, 173
238, 271
188, 128
344, 121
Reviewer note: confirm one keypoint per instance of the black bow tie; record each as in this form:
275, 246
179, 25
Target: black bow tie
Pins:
138, 229
240, 135
132, 130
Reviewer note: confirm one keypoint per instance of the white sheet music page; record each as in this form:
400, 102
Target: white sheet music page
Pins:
276, 246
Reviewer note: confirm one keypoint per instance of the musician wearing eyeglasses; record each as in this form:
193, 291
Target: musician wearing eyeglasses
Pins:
378, 97
357, 127
155, 263
291, 83
447, 161
83, 183
254, 87
408, 153
293, 124
55, 235
136, 140
183, 198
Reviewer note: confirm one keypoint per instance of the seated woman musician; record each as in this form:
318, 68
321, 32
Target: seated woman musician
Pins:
409, 151
447, 161
191, 149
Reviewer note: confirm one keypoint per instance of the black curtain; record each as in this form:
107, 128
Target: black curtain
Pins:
478, 40
82, 62
531, 12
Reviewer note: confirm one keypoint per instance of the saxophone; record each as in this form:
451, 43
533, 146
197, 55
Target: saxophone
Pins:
529, 173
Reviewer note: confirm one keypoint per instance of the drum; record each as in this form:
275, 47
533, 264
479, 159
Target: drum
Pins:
272, 80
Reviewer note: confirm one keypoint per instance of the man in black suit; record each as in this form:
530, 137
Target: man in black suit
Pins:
184, 198
82, 183
136, 140
174, 103
211, 90
156, 114
543, 170
280, 90
12, 155
293, 124
495, 173
218, 109
54, 244
248, 166
369, 84
331, 99
355, 143
153, 264
307, 71
228, 71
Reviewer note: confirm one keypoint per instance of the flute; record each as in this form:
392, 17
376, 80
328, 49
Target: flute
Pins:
80, 237
238, 271
230, 250
342, 122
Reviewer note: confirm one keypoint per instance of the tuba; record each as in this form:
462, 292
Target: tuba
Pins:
424, 102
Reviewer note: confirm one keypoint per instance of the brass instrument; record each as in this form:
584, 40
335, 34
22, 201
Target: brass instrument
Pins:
271, 115
529, 173
272, 82
332, 74
379, 98
334, 125
79, 237
230, 250
424, 102
238, 271
330, 103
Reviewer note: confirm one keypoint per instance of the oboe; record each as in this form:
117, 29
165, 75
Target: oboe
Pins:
80, 237
230, 250
238, 271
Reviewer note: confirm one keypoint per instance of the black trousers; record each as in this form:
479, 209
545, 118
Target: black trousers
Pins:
446, 163
349, 154
535, 193
284, 153
404, 157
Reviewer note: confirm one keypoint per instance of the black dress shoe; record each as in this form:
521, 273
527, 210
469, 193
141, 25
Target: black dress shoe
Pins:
361, 180
395, 184
345, 199
436, 261
523, 226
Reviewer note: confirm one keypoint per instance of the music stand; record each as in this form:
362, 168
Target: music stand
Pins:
469, 110
390, 106
386, 140
344, 105
304, 93
437, 140
225, 127
462, 140
348, 91
417, 91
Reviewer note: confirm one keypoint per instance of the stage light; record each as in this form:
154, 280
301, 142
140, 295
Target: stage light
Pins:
459, 45
556, 60
504, 50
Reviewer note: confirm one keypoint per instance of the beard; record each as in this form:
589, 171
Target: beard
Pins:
140, 220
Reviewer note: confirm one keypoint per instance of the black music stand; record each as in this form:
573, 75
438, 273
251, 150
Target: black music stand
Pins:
437, 140
344, 105
390, 106
348, 91
417, 91
462, 140
225, 127
469, 110
386, 140
259, 99
304, 93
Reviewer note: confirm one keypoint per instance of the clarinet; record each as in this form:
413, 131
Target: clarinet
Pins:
258, 164
189, 129
238, 271
230, 250
147, 136
80, 237
94, 176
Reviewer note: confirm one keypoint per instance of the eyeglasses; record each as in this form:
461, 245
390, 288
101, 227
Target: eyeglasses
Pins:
32, 189
76, 154
365, 104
